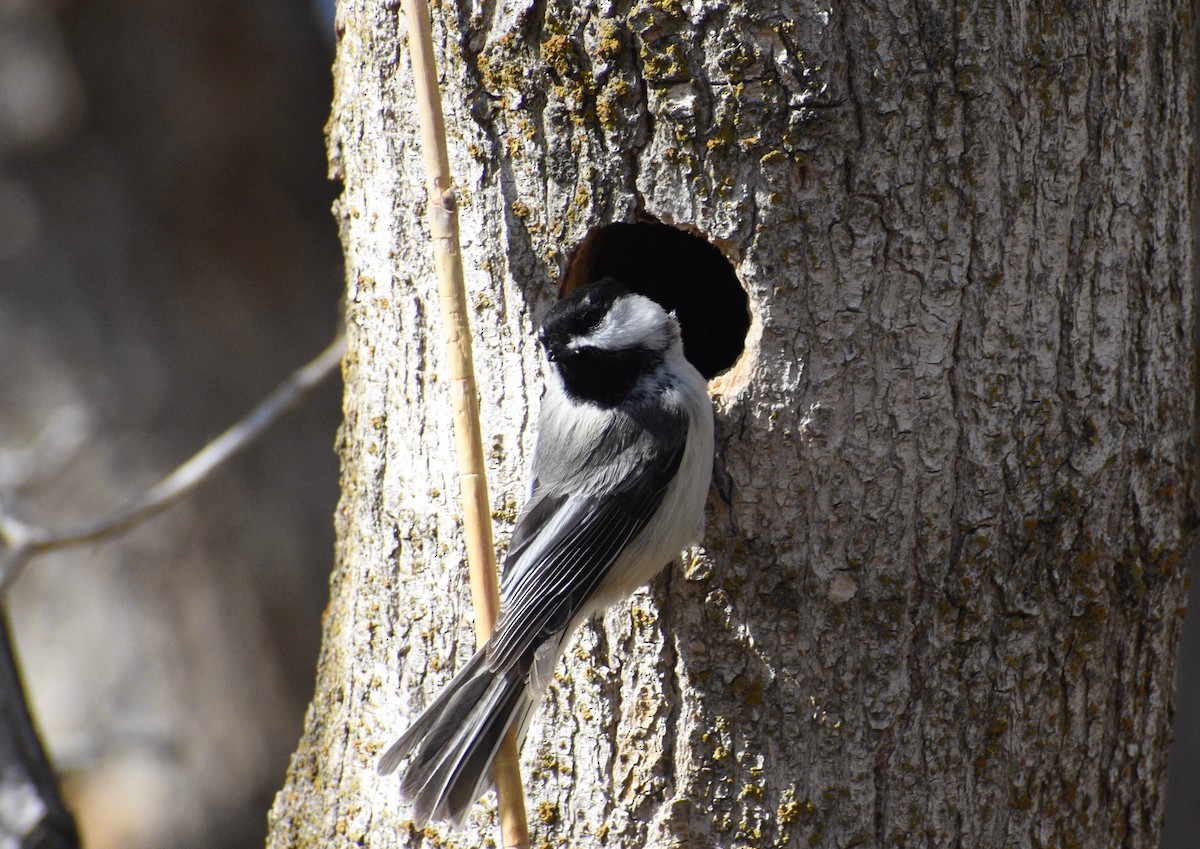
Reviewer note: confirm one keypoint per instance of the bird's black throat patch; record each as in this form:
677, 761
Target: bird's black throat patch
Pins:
605, 377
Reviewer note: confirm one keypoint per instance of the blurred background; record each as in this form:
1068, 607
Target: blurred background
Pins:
167, 256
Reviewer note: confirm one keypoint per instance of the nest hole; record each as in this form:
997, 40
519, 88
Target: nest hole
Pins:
682, 271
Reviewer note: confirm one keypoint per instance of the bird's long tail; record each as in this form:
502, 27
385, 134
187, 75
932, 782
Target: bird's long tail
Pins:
451, 745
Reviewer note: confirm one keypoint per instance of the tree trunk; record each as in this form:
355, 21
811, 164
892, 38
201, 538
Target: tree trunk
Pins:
944, 580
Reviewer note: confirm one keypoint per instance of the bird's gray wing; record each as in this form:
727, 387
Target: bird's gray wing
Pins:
541, 508
566, 543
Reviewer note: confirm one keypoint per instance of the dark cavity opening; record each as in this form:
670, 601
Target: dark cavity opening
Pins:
683, 272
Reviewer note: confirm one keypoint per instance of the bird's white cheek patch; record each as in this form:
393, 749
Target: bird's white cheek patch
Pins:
632, 322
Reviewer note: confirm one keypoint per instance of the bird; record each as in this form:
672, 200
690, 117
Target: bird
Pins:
621, 471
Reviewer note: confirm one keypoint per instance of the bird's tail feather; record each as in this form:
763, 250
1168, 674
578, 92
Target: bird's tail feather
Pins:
451, 745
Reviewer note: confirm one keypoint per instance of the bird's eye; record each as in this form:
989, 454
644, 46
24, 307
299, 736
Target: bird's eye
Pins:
591, 316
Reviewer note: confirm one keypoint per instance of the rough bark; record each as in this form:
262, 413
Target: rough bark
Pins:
944, 579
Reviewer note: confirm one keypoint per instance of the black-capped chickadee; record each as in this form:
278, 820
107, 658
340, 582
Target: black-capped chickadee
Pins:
620, 476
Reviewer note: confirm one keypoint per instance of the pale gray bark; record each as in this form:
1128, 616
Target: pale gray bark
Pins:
944, 579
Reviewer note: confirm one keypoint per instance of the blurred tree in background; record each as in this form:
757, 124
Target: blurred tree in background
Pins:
166, 258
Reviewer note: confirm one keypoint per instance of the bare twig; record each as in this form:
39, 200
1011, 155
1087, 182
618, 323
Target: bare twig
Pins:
477, 519
33, 814
23, 541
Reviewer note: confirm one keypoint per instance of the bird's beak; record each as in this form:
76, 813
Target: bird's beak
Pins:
555, 344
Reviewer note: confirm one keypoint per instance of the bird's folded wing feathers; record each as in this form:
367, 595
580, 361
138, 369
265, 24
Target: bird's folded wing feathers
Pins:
553, 569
